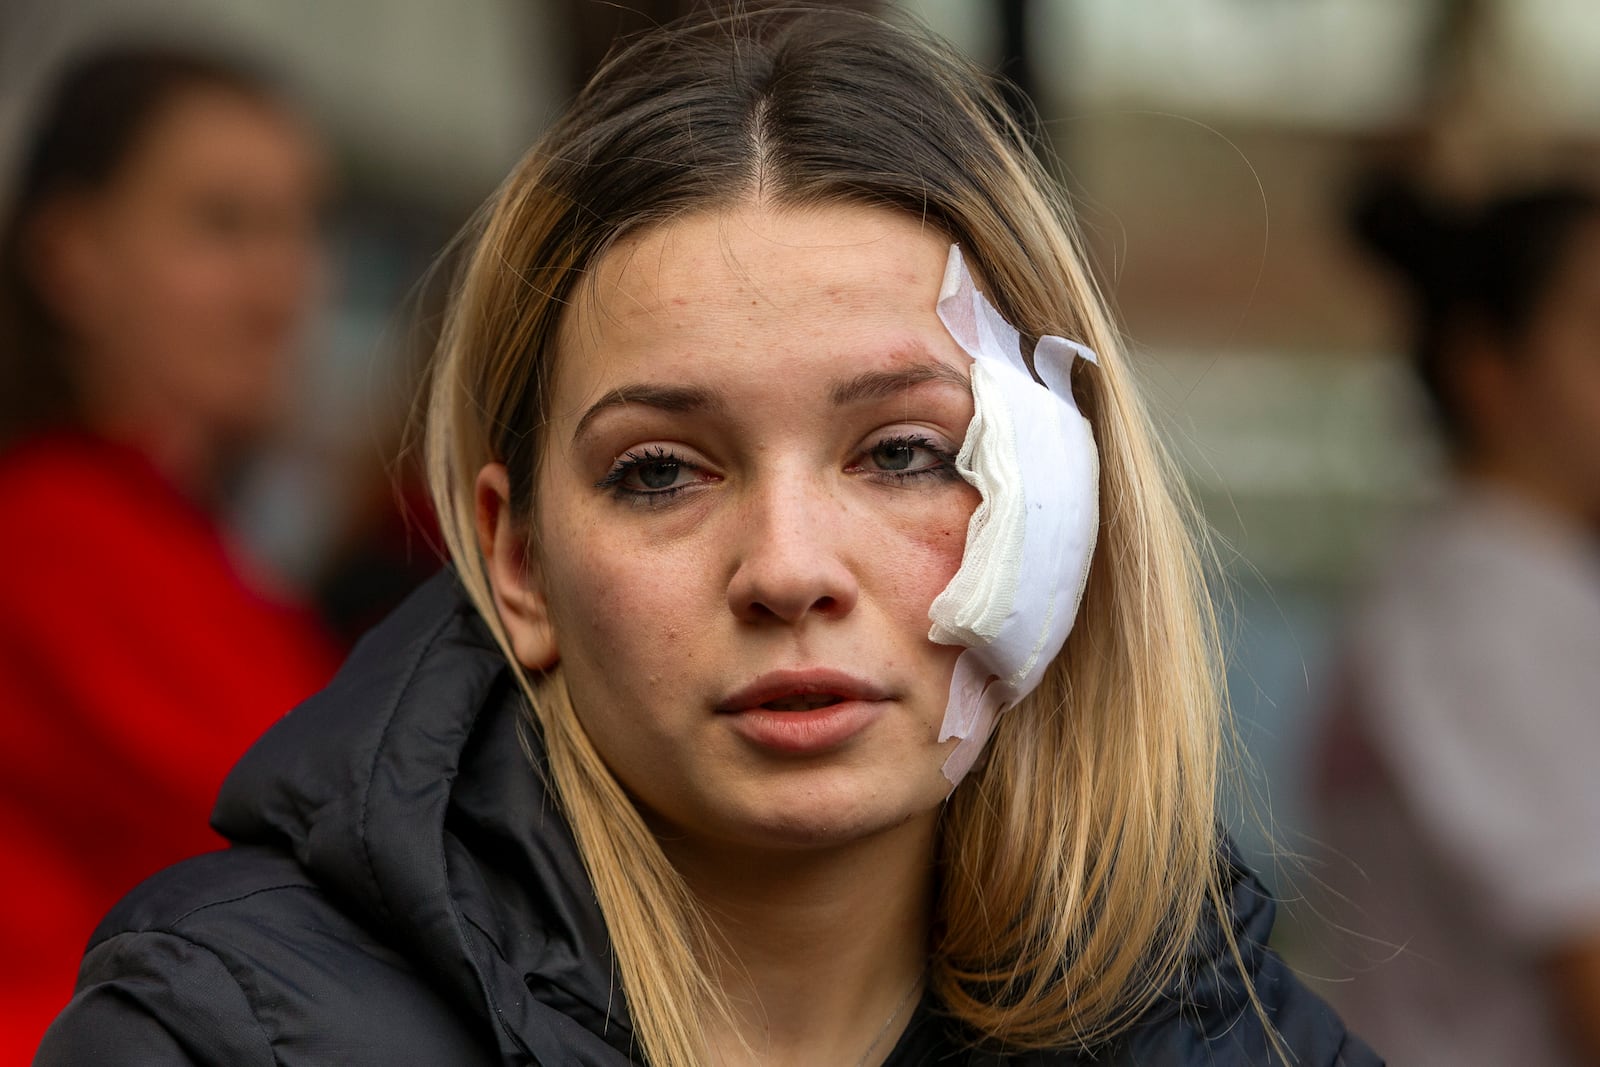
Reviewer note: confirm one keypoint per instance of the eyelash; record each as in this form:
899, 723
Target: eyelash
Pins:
944, 469
630, 462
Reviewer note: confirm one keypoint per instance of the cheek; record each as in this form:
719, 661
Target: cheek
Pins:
1568, 398
623, 621
923, 551
168, 293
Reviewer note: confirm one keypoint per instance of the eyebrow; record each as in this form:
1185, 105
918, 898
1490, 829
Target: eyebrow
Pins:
861, 389
877, 385
673, 398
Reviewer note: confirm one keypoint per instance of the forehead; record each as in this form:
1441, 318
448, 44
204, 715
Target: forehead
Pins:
748, 288
216, 132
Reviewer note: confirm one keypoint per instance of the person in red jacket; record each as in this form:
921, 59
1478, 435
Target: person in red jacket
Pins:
156, 269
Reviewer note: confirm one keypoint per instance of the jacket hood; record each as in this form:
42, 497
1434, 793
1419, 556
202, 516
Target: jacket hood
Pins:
405, 791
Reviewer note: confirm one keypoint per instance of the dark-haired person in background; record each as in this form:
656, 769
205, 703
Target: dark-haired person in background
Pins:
1459, 780
156, 270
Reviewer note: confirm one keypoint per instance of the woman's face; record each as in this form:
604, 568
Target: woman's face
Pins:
746, 507
184, 284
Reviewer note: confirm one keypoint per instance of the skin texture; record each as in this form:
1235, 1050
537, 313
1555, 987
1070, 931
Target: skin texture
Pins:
183, 285
792, 540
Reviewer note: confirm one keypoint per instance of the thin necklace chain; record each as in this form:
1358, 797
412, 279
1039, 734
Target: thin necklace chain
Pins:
916, 984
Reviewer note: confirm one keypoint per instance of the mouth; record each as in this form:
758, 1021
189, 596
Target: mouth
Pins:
800, 691
801, 714
801, 703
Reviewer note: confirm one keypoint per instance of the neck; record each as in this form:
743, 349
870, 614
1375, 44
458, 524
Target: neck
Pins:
823, 952
1531, 483
179, 445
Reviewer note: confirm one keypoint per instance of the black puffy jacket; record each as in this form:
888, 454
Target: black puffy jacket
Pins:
402, 891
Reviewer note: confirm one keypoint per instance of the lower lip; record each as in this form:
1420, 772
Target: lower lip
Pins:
802, 733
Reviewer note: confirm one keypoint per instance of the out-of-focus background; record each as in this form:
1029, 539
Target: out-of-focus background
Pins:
1211, 146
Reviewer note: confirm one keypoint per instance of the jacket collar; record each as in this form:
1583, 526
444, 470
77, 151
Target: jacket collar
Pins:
405, 790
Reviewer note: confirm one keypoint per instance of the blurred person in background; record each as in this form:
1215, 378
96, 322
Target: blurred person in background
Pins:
157, 266
1458, 778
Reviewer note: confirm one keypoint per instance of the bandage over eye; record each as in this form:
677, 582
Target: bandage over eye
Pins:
1031, 455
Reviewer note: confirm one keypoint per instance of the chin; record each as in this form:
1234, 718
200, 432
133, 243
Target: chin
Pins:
824, 815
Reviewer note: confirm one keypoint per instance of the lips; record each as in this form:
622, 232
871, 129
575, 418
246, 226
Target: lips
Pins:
801, 691
802, 702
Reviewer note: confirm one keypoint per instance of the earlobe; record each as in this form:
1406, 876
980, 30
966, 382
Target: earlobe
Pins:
513, 573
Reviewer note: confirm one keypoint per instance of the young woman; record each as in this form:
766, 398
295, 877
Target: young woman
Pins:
670, 770
156, 266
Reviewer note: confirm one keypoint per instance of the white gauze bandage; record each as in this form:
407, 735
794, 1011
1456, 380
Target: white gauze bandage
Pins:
1031, 455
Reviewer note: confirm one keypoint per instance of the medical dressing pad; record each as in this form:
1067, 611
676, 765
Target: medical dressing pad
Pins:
1031, 455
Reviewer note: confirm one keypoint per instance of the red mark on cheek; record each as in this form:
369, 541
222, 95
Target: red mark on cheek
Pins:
939, 547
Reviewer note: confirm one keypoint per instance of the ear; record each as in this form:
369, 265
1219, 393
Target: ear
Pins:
62, 247
514, 575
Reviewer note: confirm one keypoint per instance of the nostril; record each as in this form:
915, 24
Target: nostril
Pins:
793, 611
787, 583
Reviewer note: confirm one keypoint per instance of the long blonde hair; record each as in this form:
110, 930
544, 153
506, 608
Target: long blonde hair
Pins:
1076, 862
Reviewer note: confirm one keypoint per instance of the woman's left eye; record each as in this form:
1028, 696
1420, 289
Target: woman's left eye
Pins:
650, 476
904, 457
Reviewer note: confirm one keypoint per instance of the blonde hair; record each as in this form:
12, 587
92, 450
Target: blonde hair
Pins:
1077, 861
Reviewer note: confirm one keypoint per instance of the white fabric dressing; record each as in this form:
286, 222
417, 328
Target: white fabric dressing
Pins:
1031, 455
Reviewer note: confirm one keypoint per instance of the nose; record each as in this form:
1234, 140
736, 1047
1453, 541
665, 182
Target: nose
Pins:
790, 563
